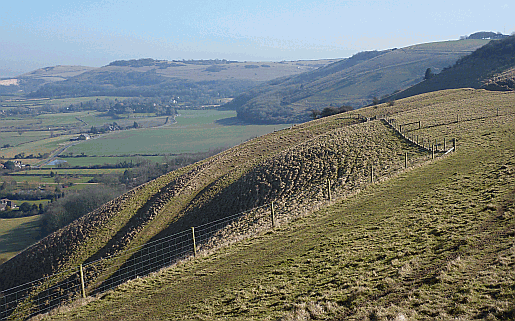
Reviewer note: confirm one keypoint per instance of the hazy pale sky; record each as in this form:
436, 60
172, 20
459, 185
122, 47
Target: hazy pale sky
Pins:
35, 34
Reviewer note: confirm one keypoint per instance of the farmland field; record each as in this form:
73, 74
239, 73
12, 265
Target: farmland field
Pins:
195, 131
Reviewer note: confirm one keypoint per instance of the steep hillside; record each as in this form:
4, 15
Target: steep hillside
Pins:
434, 242
471, 71
353, 81
502, 81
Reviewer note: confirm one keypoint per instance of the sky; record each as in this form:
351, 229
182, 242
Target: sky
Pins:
36, 34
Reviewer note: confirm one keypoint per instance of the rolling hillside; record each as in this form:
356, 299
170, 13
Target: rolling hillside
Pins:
354, 81
417, 235
190, 82
488, 67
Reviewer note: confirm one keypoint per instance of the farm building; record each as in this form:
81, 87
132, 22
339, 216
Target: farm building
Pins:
4, 203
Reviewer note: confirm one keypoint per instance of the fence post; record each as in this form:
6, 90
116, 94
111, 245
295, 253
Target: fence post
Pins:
454, 144
497, 111
329, 189
406, 160
82, 285
417, 139
444, 145
273, 214
194, 244
457, 118
432, 152
419, 124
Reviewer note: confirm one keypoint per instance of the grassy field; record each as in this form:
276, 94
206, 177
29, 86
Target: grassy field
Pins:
69, 171
195, 131
99, 160
16, 234
435, 242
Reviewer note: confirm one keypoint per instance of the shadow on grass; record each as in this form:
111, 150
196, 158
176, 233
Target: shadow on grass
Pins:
231, 121
21, 236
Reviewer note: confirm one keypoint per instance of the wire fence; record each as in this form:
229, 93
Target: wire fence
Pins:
48, 293
43, 295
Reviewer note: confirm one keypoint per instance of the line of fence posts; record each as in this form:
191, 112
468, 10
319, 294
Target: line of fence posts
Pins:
432, 147
421, 141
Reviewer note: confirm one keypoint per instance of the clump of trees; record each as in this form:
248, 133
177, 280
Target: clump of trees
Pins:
329, 111
74, 205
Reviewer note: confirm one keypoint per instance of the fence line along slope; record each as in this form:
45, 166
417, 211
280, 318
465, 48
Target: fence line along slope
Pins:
283, 167
434, 242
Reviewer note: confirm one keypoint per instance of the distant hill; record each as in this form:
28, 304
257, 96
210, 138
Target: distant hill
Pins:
35, 79
477, 70
354, 81
486, 35
196, 82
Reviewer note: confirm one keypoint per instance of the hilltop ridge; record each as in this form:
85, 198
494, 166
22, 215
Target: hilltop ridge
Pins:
355, 81
472, 71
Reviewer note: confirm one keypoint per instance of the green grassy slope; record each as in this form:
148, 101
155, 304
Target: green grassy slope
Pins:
281, 167
434, 242
471, 71
353, 81
16, 234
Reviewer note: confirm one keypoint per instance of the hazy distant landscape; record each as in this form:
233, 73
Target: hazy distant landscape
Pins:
378, 186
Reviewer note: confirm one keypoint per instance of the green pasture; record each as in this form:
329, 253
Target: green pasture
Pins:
99, 160
70, 171
40, 146
195, 131
170, 140
14, 138
40, 179
18, 233
202, 117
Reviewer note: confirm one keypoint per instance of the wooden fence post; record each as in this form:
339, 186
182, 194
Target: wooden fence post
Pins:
444, 145
432, 152
273, 214
194, 244
419, 124
417, 139
454, 144
497, 111
82, 285
405, 160
329, 189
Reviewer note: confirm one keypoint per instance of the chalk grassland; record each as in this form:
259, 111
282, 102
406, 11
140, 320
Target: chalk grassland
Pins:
18, 233
289, 167
434, 242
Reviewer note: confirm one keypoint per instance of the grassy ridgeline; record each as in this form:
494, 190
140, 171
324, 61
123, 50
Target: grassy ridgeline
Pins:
436, 242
